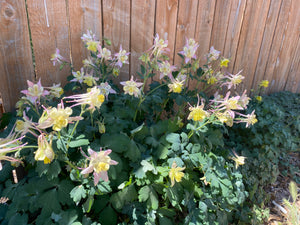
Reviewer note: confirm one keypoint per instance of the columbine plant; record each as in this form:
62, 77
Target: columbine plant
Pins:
152, 136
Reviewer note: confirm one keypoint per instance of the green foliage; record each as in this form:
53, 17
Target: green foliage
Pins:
267, 144
154, 153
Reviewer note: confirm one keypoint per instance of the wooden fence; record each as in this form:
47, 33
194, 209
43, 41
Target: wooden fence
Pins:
259, 36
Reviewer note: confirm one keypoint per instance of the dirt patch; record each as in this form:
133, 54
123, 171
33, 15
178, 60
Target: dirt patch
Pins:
280, 190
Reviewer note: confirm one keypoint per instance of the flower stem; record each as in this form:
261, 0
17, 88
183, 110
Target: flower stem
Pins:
191, 133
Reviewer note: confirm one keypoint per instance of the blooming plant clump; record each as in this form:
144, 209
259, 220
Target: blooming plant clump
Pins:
133, 152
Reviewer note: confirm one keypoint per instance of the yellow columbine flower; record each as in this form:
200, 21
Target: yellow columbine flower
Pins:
45, 152
131, 87
212, 80
90, 80
258, 98
99, 164
264, 83
92, 45
225, 118
175, 173
60, 117
198, 113
239, 160
176, 86
224, 62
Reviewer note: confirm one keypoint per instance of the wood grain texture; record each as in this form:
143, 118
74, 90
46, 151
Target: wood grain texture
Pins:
15, 52
49, 29
166, 22
204, 23
116, 20
266, 42
285, 43
250, 40
142, 30
186, 25
83, 15
220, 24
205, 16
233, 31
293, 80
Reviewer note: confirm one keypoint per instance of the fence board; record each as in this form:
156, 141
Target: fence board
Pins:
116, 20
204, 23
277, 43
83, 15
15, 52
293, 81
142, 28
49, 29
186, 25
220, 24
205, 16
166, 21
291, 37
250, 40
267, 41
233, 31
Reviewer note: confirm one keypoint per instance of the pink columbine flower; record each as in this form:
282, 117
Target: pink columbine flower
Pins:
234, 80
159, 47
57, 118
249, 119
244, 100
104, 53
229, 104
213, 54
99, 164
131, 87
35, 91
165, 69
57, 58
189, 50
89, 36
122, 57
9, 145
105, 89
93, 97
78, 76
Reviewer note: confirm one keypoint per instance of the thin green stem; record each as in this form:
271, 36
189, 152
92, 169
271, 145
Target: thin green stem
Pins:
191, 133
74, 128
71, 165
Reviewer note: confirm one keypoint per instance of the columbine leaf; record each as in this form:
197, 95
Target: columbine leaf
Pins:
78, 193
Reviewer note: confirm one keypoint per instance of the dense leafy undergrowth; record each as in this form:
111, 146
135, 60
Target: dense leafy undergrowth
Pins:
155, 153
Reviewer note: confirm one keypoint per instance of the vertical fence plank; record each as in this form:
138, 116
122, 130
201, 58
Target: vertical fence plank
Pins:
250, 40
116, 25
220, 24
83, 16
166, 21
15, 52
142, 30
282, 62
293, 80
233, 31
205, 16
49, 29
267, 41
186, 25
204, 22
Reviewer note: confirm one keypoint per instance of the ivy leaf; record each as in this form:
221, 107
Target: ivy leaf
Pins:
78, 193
